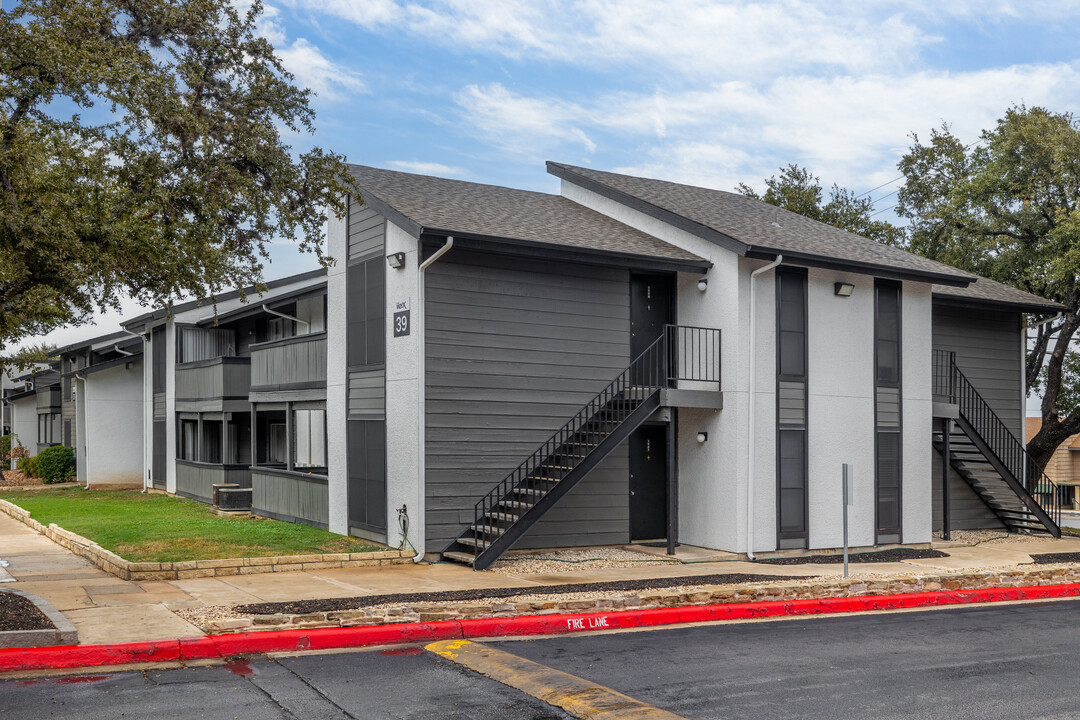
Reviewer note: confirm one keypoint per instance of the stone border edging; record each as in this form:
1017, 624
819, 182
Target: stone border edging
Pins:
62, 632
222, 646
186, 569
795, 590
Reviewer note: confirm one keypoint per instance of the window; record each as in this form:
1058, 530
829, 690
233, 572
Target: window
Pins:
238, 439
279, 328
49, 428
188, 440
366, 318
887, 334
310, 438
210, 442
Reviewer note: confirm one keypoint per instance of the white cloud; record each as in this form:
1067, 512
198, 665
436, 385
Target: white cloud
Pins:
315, 71
428, 168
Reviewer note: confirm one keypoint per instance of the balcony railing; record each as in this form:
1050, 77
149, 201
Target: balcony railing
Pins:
223, 377
293, 363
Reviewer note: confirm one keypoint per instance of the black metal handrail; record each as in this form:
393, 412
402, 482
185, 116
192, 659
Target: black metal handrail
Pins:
675, 355
951, 384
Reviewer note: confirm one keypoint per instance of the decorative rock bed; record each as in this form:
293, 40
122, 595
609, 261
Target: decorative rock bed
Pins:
226, 619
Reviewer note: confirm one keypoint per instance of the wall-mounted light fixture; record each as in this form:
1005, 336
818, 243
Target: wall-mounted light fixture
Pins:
702, 437
396, 260
703, 284
843, 289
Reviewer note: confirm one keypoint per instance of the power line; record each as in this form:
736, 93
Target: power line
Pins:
882, 211
880, 186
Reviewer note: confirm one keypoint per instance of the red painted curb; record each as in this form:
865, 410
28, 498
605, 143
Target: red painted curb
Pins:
212, 646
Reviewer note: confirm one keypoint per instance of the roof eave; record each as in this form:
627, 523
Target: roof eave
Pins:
674, 219
1007, 305
863, 268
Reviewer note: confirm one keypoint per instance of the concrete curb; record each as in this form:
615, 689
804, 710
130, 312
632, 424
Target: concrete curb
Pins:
62, 632
215, 646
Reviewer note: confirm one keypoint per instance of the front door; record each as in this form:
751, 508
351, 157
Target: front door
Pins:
650, 310
648, 483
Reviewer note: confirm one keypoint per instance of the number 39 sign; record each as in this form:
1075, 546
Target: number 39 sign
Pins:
402, 321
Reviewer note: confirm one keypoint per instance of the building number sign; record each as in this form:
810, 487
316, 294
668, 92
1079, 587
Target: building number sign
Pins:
402, 319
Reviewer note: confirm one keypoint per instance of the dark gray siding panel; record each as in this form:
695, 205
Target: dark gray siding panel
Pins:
987, 347
513, 350
367, 231
966, 509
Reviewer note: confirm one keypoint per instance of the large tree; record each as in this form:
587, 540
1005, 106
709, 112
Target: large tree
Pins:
798, 190
141, 154
1008, 207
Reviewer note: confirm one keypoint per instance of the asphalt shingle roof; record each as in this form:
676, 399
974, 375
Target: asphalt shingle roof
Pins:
466, 208
758, 226
990, 291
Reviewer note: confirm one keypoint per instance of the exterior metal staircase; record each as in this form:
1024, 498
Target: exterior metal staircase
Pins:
516, 503
993, 462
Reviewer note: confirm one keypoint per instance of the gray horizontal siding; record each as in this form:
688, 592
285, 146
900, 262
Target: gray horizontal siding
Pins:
988, 352
367, 231
367, 392
792, 403
292, 363
967, 511
888, 407
213, 381
513, 349
292, 497
196, 481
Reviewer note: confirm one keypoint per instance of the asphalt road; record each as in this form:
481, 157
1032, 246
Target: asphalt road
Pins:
998, 661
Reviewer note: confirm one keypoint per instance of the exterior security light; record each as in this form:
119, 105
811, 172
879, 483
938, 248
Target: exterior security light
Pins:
703, 284
702, 437
843, 289
396, 260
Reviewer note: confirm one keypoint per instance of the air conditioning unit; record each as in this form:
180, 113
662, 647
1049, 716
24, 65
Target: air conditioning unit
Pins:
217, 487
234, 499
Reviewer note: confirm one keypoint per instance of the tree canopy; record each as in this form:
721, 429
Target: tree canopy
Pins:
1008, 208
142, 154
798, 190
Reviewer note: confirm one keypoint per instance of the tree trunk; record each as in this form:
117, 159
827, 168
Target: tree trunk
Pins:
1054, 430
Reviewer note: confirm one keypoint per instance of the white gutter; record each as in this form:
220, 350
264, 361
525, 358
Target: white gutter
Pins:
116, 348
421, 392
750, 411
287, 317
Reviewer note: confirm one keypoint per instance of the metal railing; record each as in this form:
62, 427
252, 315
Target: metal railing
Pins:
680, 353
951, 384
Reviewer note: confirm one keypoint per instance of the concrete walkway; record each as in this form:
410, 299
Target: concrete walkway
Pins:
106, 609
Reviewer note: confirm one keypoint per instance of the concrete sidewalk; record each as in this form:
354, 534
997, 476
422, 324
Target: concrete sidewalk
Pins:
106, 609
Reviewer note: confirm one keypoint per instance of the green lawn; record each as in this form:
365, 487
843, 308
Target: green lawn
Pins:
162, 528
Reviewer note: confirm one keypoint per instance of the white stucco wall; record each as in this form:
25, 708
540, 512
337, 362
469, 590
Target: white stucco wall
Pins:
337, 378
170, 406
404, 423
24, 423
840, 413
113, 412
917, 378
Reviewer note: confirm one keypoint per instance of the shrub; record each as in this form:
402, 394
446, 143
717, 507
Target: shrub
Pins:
27, 466
55, 464
6, 443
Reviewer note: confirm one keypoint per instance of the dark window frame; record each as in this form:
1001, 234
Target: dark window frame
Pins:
784, 273
897, 431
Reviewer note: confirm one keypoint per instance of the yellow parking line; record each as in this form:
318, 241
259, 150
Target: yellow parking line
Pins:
577, 696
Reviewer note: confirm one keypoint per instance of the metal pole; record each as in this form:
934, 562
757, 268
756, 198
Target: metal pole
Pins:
847, 500
946, 461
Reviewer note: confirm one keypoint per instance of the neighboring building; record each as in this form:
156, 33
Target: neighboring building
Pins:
630, 360
235, 392
32, 405
1064, 466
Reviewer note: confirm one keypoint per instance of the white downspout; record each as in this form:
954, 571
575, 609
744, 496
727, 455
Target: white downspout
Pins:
421, 392
750, 411
287, 317
80, 398
148, 404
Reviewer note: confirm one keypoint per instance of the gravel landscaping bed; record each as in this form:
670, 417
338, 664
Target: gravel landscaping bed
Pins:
551, 561
1053, 558
20, 613
992, 537
355, 603
878, 556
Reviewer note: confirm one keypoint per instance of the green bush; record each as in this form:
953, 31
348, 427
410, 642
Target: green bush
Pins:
27, 466
55, 464
6, 443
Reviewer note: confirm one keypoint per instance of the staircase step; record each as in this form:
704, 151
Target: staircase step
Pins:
515, 504
473, 542
490, 530
505, 517
459, 557
533, 492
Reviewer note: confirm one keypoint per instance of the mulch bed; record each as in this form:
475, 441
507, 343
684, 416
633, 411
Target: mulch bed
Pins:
1052, 558
879, 556
15, 478
310, 606
18, 613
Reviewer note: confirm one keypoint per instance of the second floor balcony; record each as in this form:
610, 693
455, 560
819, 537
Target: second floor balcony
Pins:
294, 363
217, 378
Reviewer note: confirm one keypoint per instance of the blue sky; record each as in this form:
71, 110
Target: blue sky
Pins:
710, 93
